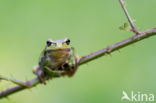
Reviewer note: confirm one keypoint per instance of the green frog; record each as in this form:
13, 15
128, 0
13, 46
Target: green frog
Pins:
58, 59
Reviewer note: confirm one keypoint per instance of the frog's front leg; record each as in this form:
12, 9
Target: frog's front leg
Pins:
75, 67
40, 74
73, 63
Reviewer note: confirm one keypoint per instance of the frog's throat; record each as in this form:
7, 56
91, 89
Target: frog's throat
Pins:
59, 55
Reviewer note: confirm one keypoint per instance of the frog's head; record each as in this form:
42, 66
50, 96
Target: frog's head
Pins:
58, 44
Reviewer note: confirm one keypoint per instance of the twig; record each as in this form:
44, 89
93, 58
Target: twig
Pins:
140, 36
134, 29
18, 82
15, 89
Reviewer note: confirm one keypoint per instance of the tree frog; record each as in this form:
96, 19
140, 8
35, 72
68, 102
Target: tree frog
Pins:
58, 59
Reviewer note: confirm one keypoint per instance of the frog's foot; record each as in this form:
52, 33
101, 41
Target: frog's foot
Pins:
40, 74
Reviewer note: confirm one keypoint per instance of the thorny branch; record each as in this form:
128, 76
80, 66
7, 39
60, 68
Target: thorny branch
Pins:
84, 59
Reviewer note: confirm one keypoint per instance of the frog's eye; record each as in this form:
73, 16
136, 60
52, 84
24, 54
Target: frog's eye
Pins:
67, 41
49, 42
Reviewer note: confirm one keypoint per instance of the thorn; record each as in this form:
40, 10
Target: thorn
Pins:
130, 29
108, 51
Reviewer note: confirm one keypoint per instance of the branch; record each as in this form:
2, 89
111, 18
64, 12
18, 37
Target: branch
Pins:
84, 59
134, 29
118, 45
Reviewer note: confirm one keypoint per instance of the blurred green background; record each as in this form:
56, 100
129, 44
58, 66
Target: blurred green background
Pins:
25, 25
